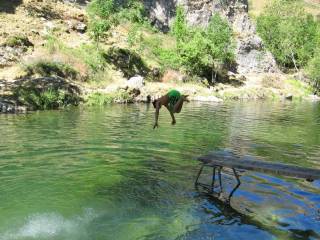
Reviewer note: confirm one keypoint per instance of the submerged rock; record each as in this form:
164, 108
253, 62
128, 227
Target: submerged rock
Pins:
78, 26
289, 96
11, 107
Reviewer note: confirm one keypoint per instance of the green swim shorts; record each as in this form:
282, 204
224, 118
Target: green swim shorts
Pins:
174, 97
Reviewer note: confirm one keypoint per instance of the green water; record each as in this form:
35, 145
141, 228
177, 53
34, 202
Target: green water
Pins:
103, 173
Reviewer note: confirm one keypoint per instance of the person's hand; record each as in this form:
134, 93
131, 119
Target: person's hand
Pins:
155, 125
185, 98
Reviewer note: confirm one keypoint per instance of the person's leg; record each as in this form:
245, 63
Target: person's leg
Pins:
173, 119
178, 106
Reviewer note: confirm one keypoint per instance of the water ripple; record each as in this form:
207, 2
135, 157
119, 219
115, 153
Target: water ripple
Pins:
138, 182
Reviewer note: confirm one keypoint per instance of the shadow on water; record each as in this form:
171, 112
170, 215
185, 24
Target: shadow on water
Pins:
222, 214
149, 188
9, 6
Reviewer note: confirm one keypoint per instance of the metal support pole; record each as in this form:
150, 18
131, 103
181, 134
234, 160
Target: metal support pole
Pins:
220, 178
213, 178
199, 173
236, 187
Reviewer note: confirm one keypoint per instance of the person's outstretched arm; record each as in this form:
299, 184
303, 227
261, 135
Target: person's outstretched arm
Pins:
157, 105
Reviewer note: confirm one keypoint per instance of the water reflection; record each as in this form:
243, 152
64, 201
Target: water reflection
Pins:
103, 173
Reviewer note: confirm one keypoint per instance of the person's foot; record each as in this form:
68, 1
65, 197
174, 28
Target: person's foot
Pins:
173, 122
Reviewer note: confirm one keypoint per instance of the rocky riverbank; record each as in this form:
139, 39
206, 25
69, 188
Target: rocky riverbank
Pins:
49, 60
24, 95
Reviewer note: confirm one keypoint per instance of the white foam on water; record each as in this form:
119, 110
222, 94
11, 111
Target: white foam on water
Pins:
48, 225
45, 225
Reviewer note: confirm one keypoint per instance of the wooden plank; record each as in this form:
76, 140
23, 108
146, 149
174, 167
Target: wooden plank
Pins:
231, 160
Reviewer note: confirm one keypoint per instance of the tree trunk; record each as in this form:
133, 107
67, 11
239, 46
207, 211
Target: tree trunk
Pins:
295, 65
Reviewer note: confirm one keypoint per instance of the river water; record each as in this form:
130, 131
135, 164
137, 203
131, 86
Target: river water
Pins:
104, 173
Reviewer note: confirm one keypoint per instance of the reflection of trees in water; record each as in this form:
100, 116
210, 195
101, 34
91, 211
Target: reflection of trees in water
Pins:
9, 6
278, 131
149, 196
148, 183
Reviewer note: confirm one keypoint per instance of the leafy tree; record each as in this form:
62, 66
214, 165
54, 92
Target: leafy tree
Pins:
102, 8
220, 46
101, 17
107, 13
313, 70
194, 53
180, 27
288, 32
133, 11
202, 50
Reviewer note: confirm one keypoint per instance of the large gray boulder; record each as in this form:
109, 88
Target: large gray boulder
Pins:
9, 55
135, 82
7, 106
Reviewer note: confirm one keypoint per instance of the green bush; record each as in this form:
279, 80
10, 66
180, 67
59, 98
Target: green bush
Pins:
18, 41
107, 13
98, 28
313, 70
179, 28
48, 68
198, 51
101, 99
134, 36
101, 13
53, 44
132, 11
43, 100
91, 55
201, 50
102, 8
168, 58
288, 32
161, 50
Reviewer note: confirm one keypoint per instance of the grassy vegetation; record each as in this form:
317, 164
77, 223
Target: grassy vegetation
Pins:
125, 43
46, 10
299, 88
89, 54
89, 59
101, 99
105, 14
256, 7
45, 99
158, 50
50, 68
272, 81
18, 41
197, 51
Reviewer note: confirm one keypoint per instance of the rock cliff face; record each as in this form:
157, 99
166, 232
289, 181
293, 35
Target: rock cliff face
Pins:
251, 56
